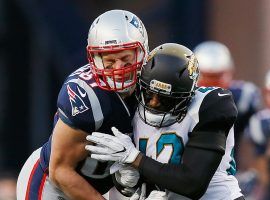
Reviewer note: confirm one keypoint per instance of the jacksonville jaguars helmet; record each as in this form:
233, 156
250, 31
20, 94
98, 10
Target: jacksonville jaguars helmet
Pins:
114, 31
171, 73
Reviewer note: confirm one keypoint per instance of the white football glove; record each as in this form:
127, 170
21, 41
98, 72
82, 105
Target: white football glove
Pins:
112, 148
116, 166
139, 193
127, 176
157, 195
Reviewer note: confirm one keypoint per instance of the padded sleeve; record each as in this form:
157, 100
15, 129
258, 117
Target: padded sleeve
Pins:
217, 115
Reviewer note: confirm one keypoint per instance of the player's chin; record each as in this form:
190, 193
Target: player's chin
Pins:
123, 79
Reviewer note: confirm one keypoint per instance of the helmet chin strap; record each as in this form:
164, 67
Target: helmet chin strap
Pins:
127, 92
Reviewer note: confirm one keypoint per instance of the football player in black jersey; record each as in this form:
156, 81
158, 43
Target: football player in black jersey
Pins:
183, 134
93, 98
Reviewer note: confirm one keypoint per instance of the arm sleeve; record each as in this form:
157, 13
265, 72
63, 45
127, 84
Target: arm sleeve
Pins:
203, 151
190, 178
217, 115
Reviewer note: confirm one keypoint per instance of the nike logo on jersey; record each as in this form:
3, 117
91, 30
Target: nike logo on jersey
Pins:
81, 93
223, 94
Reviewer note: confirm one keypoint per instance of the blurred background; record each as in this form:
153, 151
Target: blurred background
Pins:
41, 42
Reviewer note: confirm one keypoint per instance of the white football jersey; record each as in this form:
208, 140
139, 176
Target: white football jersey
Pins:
167, 144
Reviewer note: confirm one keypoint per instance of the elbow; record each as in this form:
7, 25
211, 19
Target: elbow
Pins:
197, 192
54, 176
60, 176
195, 188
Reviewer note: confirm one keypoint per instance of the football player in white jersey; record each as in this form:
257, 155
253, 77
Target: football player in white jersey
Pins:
183, 134
93, 98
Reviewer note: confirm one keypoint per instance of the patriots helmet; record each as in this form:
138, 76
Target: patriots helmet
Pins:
115, 31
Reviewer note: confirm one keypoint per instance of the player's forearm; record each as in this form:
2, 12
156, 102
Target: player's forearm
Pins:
74, 186
176, 178
190, 178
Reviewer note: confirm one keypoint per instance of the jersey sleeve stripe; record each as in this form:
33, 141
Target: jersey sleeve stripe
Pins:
62, 113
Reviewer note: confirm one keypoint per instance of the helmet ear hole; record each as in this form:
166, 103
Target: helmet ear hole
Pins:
181, 72
153, 63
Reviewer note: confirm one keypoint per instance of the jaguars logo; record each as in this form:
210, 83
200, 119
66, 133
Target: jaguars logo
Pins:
154, 52
193, 69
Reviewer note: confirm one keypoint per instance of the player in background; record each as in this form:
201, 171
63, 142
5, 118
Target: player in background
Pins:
93, 98
217, 69
183, 134
257, 135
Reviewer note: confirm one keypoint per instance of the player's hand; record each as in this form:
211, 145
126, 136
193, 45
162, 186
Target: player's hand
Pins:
127, 176
157, 195
154, 195
112, 148
140, 193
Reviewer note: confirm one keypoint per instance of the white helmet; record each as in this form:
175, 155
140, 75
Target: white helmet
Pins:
113, 31
213, 57
215, 64
267, 81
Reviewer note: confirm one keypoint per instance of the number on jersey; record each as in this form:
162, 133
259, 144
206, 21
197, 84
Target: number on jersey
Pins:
169, 146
